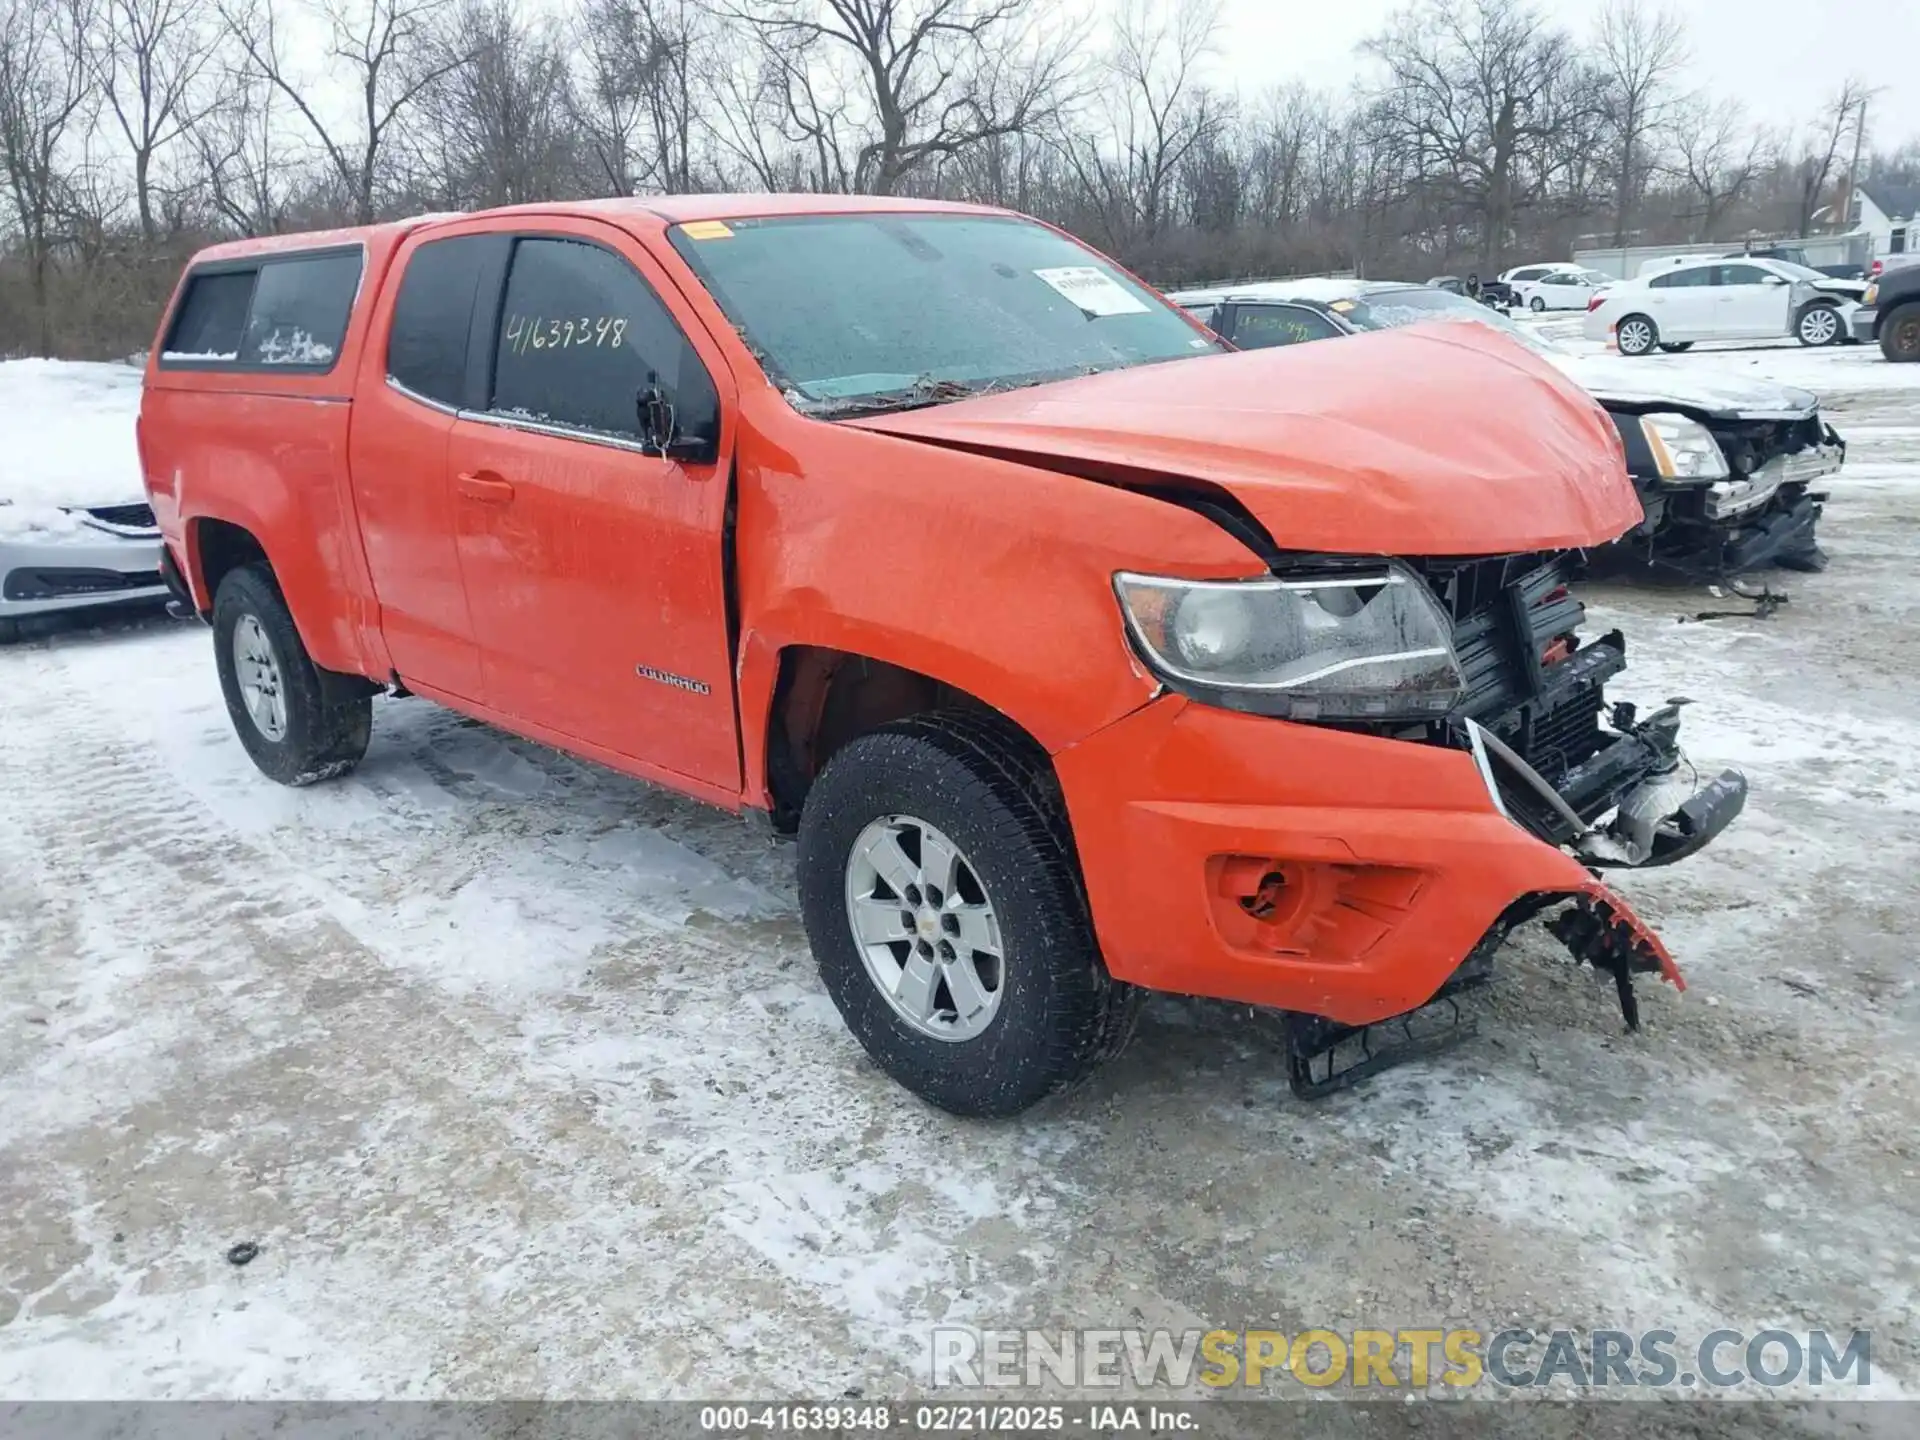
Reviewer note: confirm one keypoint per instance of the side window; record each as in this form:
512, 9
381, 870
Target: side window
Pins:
300, 310
582, 337
1740, 275
433, 315
1205, 314
1531, 272
212, 318
1681, 279
1261, 327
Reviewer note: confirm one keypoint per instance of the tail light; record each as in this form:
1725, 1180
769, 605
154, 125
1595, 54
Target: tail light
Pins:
1594, 302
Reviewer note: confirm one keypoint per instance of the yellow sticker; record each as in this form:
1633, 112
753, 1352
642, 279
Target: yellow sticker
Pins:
1341, 307
706, 230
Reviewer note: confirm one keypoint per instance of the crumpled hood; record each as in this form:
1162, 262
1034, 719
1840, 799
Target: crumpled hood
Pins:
1647, 381
1435, 440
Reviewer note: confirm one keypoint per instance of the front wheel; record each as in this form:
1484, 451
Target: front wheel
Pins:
1818, 325
300, 724
1536, 304
942, 900
1900, 332
1636, 335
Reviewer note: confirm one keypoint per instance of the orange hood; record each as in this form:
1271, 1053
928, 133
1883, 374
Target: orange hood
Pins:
1433, 440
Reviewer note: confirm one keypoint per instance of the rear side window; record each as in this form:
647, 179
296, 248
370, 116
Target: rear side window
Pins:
582, 335
285, 313
213, 317
1742, 275
1677, 279
433, 317
300, 310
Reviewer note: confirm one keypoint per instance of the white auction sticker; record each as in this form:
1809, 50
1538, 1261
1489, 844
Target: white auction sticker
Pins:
1092, 289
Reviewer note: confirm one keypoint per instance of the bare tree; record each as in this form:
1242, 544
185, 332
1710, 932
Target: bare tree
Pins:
493, 127
1637, 51
43, 95
241, 151
1821, 147
1151, 113
150, 58
1475, 100
1719, 154
639, 97
383, 50
880, 90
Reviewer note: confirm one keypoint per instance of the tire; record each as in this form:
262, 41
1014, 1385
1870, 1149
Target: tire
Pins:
9, 631
1055, 1014
1819, 325
1636, 334
1900, 333
323, 720
1536, 304
1676, 347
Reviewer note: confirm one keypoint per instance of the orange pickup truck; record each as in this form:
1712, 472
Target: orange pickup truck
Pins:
1084, 656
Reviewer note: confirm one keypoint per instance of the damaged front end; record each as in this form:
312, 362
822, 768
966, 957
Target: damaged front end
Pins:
1598, 780
1727, 494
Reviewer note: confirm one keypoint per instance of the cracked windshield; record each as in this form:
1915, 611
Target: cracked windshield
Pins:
850, 314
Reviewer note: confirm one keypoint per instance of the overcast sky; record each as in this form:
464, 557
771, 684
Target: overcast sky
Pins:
1780, 56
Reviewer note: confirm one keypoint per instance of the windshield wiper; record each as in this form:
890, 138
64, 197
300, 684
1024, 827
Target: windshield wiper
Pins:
926, 390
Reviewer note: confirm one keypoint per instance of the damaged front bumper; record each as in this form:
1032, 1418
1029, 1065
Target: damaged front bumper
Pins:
1747, 521
1359, 882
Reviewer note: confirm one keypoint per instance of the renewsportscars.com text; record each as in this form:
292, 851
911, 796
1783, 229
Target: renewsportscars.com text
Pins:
1513, 1358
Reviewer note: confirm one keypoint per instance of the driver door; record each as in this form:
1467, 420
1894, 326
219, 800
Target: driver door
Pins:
1750, 301
593, 563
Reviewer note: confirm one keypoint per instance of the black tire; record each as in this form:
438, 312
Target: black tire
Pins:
9, 631
1900, 333
1818, 325
992, 792
1636, 334
1536, 304
328, 718
1676, 347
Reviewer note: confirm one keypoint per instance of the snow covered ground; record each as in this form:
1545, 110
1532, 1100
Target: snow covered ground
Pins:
519, 1074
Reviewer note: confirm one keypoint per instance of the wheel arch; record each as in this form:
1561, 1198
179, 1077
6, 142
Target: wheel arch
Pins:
815, 698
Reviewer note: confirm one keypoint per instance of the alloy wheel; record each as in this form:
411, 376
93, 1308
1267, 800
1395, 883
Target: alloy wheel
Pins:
1820, 325
925, 928
1635, 337
257, 669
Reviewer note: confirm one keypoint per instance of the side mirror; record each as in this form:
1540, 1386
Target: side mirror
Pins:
1774, 280
659, 429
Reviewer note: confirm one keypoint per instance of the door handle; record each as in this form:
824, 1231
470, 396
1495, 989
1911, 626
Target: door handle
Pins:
484, 486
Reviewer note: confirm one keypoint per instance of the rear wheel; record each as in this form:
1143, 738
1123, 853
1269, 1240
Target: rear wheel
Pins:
299, 723
1819, 324
1636, 335
1900, 332
1536, 304
1676, 347
943, 903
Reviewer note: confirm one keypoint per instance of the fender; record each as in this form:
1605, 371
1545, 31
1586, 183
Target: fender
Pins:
942, 562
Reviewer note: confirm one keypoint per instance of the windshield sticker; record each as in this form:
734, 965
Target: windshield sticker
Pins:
707, 230
1092, 289
1341, 307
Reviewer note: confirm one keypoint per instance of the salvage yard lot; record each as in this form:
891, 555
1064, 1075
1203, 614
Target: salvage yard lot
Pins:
519, 1073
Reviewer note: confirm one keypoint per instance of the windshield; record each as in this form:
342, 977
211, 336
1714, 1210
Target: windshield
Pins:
1798, 271
850, 314
1390, 309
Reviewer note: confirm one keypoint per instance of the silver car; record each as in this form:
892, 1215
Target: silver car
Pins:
76, 558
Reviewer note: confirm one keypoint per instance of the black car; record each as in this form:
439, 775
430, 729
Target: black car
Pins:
1724, 466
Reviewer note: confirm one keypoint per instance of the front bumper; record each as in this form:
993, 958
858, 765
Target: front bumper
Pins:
1862, 323
44, 573
1299, 867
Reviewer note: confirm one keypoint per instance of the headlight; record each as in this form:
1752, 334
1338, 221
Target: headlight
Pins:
1684, 451
1871, 294
1363, 646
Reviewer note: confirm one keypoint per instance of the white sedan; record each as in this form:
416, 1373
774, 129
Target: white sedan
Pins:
1715, 299
1560, 290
